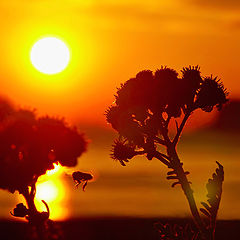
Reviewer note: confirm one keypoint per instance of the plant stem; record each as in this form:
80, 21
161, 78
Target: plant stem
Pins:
161, 158
175, 140
34, 215
177, 166
214, 216
29, 200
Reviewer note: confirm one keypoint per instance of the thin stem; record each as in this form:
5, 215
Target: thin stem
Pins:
179, 131
165, 156
29, 197
160, 156
214, 216
177, 166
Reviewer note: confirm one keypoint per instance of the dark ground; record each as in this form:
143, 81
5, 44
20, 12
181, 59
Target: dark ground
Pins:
113, 229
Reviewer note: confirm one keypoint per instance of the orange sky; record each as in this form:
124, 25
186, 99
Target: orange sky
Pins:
110, 42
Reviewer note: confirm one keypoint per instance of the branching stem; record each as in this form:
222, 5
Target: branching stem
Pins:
179, 131
176, 165
29, 197
160, 157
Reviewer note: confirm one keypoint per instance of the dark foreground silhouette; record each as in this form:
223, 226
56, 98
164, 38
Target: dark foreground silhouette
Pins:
113, 229
143, 110
30, 146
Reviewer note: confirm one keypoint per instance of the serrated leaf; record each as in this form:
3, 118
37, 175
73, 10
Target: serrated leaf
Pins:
171, 172
172, 177
174, 184
214, 192
206, 206
220, 171
205, 212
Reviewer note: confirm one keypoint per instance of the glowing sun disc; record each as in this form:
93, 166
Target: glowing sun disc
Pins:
50, 55
47, 191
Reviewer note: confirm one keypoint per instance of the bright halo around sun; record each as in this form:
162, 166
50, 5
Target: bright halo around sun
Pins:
50, 55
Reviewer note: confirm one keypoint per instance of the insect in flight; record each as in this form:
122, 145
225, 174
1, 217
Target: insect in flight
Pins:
81, 177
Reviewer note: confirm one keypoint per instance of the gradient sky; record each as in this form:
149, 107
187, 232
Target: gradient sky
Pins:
110, 41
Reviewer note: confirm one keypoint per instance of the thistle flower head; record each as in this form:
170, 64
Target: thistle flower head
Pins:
117, 116
166, 91
136, 91
165, 74
161, 95
190, 83
212, 93
122, 152
124, 123
145, 75
124, 93
112, 116
192, 74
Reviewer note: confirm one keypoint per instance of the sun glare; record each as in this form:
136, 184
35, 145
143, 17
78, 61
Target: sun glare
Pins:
57, 170
52, 189
47, 191
50, 55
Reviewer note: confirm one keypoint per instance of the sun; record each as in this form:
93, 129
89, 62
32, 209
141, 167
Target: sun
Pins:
47, 191
50, 55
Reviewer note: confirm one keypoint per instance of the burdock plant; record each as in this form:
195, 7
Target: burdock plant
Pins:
141, 115
29, 146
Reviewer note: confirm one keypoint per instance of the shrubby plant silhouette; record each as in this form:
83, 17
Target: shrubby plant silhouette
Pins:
29, 146
143, 109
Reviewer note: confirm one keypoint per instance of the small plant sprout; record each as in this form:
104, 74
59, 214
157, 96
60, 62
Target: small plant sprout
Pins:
141, 115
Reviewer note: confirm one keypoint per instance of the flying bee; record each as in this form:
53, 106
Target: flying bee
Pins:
81, 177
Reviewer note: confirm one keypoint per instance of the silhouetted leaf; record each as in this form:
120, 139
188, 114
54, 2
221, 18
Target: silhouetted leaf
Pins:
204, 211
174, 184
172, 177
206, 206
214, 188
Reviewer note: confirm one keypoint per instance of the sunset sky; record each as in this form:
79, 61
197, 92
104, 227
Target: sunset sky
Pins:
110, 41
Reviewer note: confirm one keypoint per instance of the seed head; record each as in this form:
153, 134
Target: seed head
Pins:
122, 152
212, 93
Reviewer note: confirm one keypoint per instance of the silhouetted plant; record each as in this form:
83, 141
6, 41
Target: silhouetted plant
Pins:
143, 109
176, 232
29, 146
